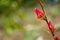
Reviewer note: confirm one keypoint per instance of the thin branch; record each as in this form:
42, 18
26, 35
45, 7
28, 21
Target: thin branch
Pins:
41, 4
50, 28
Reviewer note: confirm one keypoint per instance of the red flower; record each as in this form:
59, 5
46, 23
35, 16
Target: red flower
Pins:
39, 14
50, 26
56, 38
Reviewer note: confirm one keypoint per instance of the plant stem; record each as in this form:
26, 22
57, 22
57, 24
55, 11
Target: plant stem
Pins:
52, 32
45, 18
41, 4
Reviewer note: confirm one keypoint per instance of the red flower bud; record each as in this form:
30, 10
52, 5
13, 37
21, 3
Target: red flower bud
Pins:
50, 26
39, 14
56, 38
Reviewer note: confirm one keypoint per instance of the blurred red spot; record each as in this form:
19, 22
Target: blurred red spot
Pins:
56, 38
39, 14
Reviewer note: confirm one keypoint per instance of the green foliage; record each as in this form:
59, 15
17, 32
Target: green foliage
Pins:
10, 26
29, 3
4, 2
8, 8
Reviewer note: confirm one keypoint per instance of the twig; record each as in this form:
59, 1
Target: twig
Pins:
45, 18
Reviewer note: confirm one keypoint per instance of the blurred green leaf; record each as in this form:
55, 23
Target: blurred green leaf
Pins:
14, 6
4, 2
29, 3
8, 30
11, 25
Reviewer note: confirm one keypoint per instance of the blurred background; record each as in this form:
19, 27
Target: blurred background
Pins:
18, 20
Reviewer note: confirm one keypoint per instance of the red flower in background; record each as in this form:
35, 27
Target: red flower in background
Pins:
39, 14
50, 26
56, 38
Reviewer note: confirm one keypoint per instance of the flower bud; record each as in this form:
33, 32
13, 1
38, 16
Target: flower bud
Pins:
50, 26
39, 14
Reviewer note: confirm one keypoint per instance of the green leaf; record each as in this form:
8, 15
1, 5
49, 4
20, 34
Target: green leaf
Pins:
4, 2
8, 30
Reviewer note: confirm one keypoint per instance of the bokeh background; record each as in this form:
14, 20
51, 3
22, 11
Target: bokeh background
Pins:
18, 20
